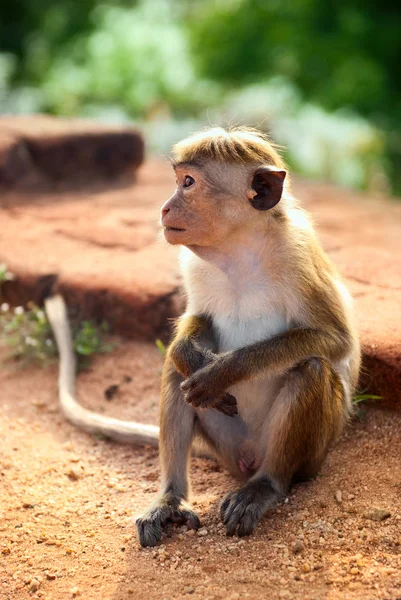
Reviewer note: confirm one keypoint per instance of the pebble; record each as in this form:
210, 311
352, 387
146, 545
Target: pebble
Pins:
35, 585
202, 532
73, 475
378, 514
338, 496
298, 547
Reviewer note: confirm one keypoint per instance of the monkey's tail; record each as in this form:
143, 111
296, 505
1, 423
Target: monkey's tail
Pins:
115, 429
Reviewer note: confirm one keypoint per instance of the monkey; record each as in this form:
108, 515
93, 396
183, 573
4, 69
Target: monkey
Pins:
264, 361
266, 357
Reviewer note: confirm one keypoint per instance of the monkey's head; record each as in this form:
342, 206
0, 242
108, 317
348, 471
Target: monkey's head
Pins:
227, 181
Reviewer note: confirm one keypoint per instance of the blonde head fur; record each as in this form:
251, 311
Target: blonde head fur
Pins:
240, 145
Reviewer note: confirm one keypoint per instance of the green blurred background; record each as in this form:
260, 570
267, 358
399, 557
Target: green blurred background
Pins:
322, 76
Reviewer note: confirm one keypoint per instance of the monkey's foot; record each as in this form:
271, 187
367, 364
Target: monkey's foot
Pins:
242, 510
151, 525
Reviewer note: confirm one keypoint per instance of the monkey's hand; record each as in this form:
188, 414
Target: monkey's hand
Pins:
203, 389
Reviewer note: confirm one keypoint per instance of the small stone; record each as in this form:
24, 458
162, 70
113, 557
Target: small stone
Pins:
190, 532
202, 532
354, 570
298, 547
5, 550
190, 590
39, 402
73, 475
306, 568
35, 585
74, 591
338, 496
378, 514
50, 576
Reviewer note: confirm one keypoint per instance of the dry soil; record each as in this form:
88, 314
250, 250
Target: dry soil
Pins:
68, 501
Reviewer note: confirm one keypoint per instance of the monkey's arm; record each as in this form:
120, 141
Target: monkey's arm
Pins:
188, 357
184, 351
276, 355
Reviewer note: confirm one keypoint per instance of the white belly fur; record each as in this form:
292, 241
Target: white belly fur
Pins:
253, 397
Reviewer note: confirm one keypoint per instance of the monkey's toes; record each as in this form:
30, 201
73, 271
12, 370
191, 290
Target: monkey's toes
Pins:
240, 514
185, 517
149, 531
151, 526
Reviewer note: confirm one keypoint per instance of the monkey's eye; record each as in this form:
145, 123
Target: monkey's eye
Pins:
188, 181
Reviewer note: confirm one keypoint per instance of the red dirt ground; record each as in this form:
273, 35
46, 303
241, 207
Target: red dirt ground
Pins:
68, 501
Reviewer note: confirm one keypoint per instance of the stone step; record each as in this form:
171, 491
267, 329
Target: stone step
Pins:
104, 247
40, 152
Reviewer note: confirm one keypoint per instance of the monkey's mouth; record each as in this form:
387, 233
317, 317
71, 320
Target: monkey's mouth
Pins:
173, 229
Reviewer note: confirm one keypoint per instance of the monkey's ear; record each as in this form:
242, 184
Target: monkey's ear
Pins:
266, 187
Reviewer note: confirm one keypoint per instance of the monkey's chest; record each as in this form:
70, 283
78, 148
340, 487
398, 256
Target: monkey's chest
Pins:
236, 332
255, 396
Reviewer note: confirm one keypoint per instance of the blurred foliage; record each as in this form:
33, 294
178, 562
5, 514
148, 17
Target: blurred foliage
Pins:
337, 53
327, 73
29, 336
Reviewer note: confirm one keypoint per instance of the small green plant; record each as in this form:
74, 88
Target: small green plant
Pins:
88, 339
5, 275
29, 336
161, 347
358, 398
27, 333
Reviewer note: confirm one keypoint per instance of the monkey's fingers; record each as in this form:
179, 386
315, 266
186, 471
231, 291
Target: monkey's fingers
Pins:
227, 405
199, 391
189, 383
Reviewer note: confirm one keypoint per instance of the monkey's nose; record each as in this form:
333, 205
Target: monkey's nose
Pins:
164, 212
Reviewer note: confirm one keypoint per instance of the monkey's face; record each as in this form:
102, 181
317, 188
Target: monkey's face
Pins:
214, 202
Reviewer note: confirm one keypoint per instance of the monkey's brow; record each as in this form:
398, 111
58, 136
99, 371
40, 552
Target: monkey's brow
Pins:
181, 164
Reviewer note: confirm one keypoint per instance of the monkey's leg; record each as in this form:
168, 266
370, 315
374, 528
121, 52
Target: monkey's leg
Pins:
307, 415
176, 434
225, 435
